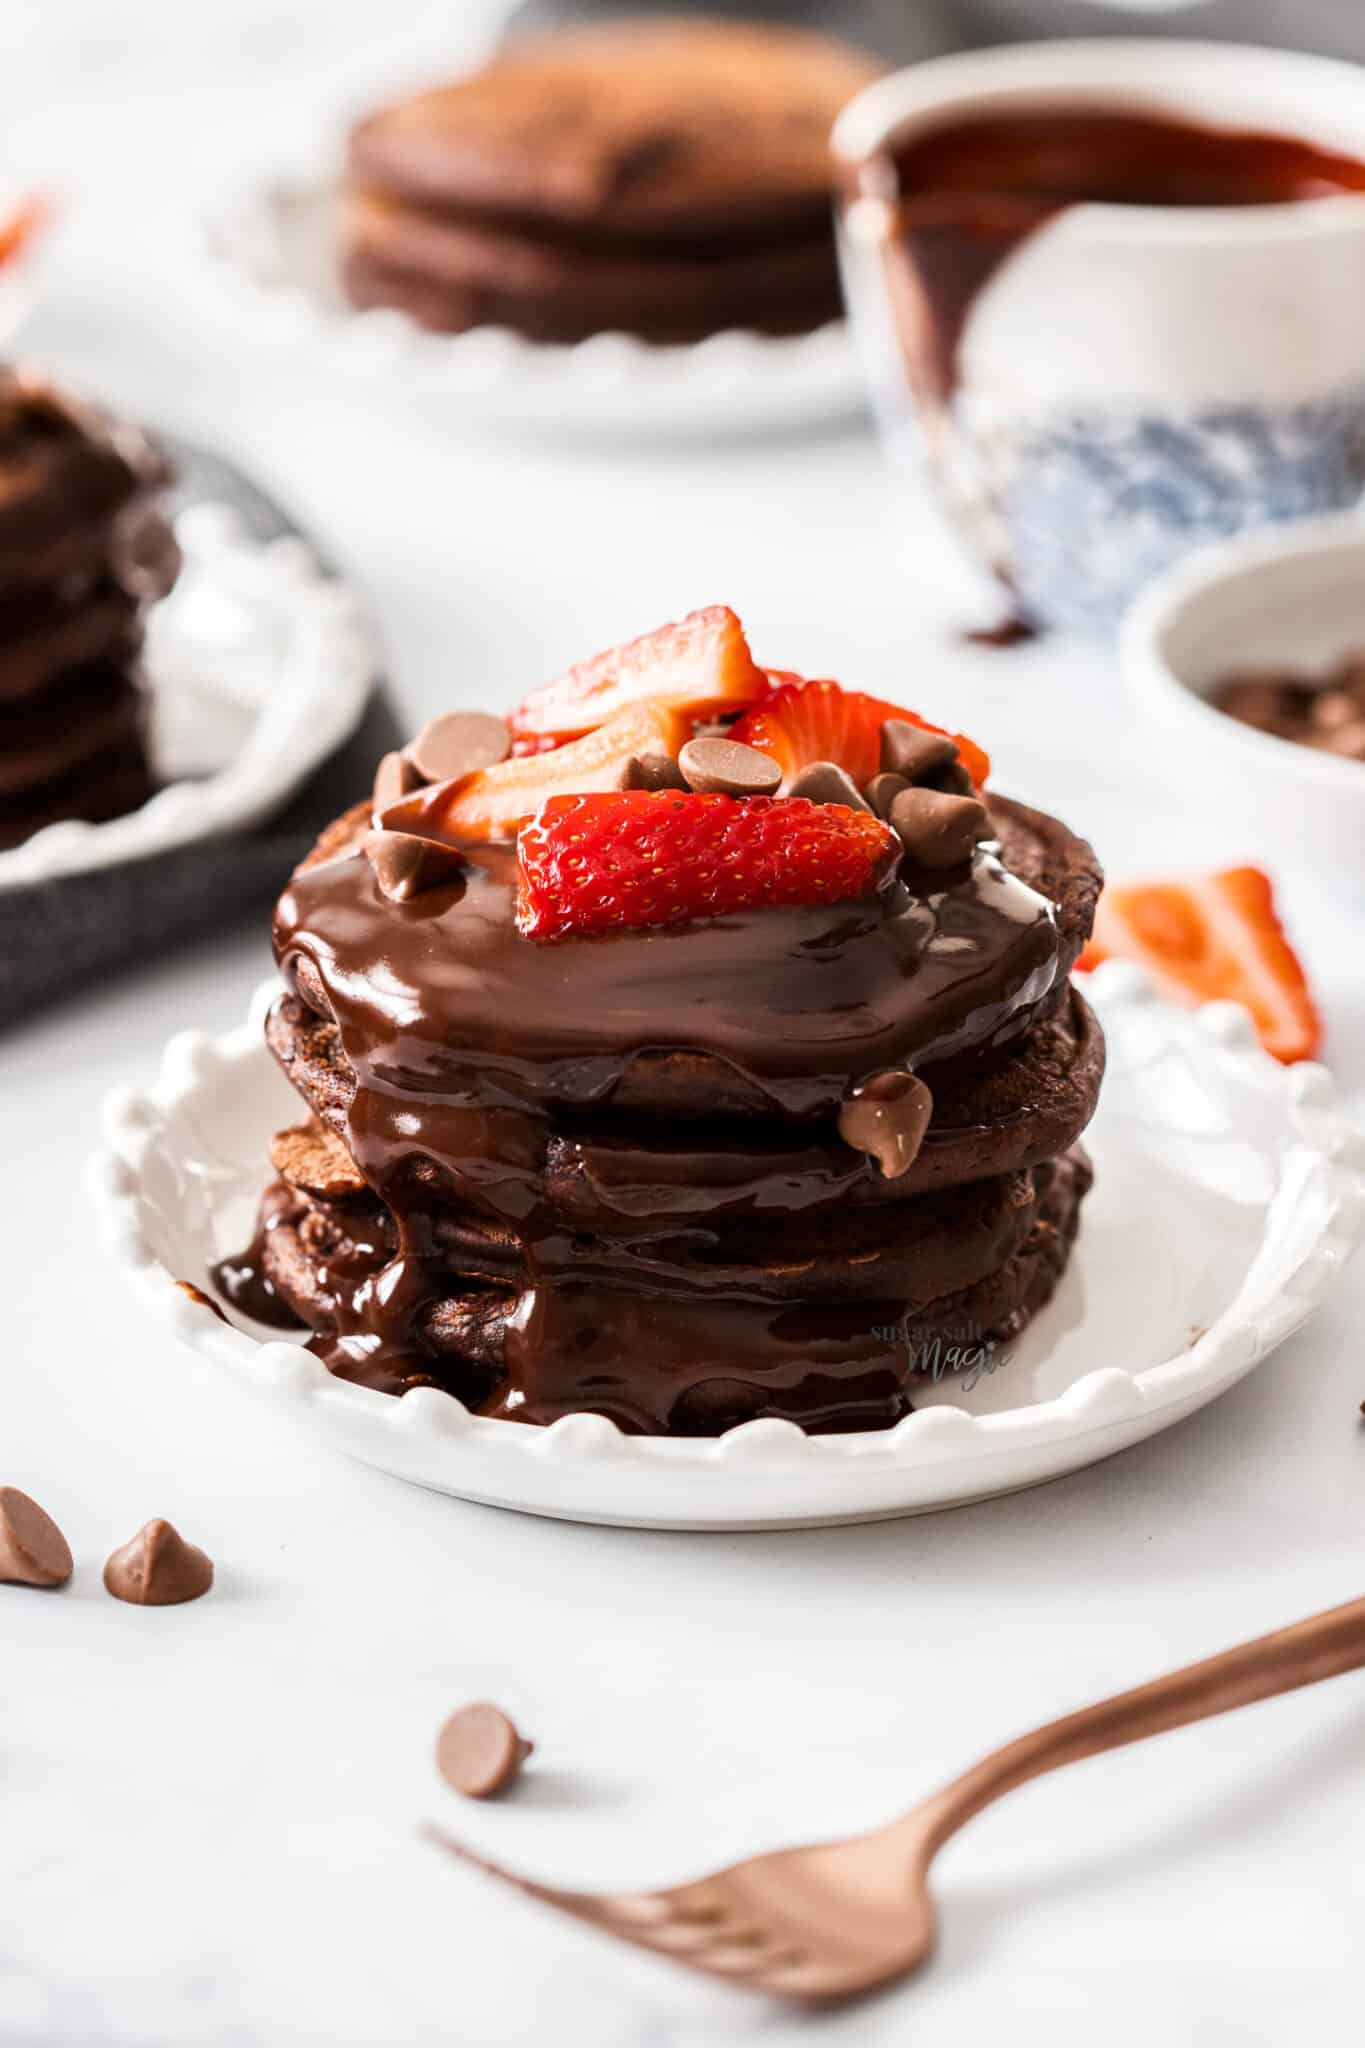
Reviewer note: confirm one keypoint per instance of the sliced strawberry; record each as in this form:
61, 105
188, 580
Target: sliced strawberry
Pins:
591, 864
699, 667
803, 722
20, 226
492, 803
1214, 937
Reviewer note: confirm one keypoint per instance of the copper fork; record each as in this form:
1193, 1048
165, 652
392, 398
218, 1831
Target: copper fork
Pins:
839, 1918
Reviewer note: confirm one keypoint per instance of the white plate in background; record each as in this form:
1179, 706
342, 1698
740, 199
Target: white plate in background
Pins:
272, 250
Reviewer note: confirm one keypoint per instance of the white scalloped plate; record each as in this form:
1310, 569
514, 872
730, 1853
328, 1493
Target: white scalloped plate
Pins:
1229, 1194
272, 249
259, 665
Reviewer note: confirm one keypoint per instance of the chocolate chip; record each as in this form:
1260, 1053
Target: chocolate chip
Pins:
459, 744
1333, 708
1348, 740
311, 1157
955, 778
882, 792
394, 779
1350, 676
1266, 701
158, 1569
886, 1117
824, 782
727, 768
910, 751
651, 771
936, 829
405, 864
33, 1550
479, 1751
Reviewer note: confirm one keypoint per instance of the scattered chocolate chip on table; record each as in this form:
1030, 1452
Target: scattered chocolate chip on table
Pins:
479, 1751
33, 1550
158, 1569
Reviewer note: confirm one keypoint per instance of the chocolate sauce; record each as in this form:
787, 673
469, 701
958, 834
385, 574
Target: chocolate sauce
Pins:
245, 1284
1011, 630
441, 1003
477, 1056
965, 193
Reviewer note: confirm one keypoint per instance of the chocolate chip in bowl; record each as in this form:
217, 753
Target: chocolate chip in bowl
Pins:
1246, 659
1326, 711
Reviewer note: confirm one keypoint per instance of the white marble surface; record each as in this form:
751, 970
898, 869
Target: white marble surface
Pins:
208, 1828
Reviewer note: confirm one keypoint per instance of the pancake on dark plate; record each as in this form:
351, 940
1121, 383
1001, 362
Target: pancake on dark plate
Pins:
84, 547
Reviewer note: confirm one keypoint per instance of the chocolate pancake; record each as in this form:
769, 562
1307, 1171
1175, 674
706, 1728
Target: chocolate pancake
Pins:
83, 547
667, 179
45, 634
450, 276
931, 1246
1027, 1106
688, 1366
672, 130
66, 472
87, 713
646, 1172
118, 782
784, 1008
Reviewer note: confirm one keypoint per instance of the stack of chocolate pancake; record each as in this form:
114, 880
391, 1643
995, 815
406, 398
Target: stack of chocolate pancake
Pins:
667, 179
775, 1163
83, 547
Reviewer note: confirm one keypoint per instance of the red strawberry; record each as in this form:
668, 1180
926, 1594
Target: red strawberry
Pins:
492, 803
798, 723
1214, 937
603, 863
27, 217
698, 668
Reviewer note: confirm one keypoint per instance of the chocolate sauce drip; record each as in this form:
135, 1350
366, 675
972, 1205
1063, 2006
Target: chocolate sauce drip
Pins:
1012, 630
244, 1283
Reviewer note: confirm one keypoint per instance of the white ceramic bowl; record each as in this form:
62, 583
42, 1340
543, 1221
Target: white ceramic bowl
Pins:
1133, 380
1292, 598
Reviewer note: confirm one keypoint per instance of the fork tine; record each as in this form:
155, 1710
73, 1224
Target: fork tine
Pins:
584, 1904
688, 1926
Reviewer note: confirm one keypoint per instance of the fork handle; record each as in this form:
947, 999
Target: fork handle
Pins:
1318, 1648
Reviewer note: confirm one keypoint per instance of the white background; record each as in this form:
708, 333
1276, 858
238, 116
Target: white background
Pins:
208, 1816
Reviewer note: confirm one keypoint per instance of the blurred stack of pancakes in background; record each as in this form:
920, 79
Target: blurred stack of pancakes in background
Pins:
84, 547
669, 180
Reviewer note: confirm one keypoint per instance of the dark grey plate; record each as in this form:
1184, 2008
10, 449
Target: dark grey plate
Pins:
59, 936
